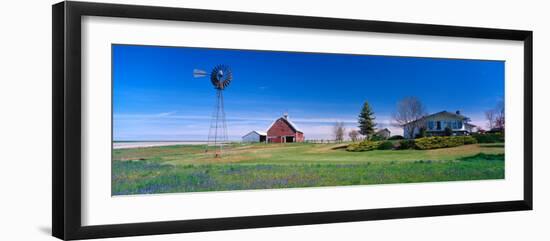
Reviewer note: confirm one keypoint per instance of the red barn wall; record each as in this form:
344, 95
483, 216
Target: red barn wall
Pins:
299, 137
275, 139
280, 129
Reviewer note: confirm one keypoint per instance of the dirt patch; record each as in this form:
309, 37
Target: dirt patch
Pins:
324, 148
338, 147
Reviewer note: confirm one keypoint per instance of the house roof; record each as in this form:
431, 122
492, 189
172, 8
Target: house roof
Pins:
261, 133
441, 113
287, 120
385, 129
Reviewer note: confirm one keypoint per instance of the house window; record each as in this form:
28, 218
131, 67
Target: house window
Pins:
455, 124
430, 125
438, 125
458, 124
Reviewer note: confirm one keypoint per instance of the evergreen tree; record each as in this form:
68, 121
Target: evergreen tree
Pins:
366, 121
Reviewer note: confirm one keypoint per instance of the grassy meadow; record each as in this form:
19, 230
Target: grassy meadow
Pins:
187, 168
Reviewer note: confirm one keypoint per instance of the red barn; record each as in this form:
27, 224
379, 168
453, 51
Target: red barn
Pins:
283, 130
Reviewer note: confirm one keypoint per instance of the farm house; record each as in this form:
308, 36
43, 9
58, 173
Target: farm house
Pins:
283, 130
255, 136
435, 125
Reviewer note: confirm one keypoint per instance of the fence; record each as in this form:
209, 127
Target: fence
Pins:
322, 141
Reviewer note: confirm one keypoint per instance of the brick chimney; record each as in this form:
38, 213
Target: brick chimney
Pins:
458, 112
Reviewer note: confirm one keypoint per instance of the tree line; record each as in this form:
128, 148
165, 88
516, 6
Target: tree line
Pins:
366, 125
408, 111
495, 117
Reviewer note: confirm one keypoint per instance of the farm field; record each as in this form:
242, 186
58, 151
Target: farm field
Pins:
187, 168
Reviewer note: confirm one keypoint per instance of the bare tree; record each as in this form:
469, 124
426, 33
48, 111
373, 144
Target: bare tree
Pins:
490, 116
339, 131
354, 135
499, 116
409, 111
495, 116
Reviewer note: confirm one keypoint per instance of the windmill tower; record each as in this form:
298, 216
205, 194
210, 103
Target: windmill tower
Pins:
220, 77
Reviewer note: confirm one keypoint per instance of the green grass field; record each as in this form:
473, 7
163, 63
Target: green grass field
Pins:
186, 168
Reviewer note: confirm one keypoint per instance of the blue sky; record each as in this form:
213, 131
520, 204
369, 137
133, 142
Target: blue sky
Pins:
156, 97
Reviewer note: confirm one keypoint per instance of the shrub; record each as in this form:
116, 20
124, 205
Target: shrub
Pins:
377, 138
363, 146
422, 131
435, 142
385, 145
448, 131
396, 137
489, 137
425, 143
406, 144
469, 140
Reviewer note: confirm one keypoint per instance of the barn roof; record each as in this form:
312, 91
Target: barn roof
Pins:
288, 121
261, 133
380, 130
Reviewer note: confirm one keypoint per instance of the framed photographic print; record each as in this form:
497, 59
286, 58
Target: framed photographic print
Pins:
170, 120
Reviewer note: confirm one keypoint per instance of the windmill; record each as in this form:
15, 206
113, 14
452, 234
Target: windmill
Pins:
220, 77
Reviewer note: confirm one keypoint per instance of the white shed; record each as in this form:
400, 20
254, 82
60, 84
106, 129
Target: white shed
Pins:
255, 136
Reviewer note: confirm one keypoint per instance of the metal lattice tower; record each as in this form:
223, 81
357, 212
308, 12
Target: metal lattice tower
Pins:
220, 77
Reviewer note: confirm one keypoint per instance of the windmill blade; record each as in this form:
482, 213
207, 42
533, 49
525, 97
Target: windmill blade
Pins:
221, 76
198, 73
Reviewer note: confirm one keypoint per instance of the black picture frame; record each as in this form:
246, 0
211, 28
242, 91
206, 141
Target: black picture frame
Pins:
66, 159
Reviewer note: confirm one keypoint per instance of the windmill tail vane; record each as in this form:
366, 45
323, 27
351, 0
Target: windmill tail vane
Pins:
198, 73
